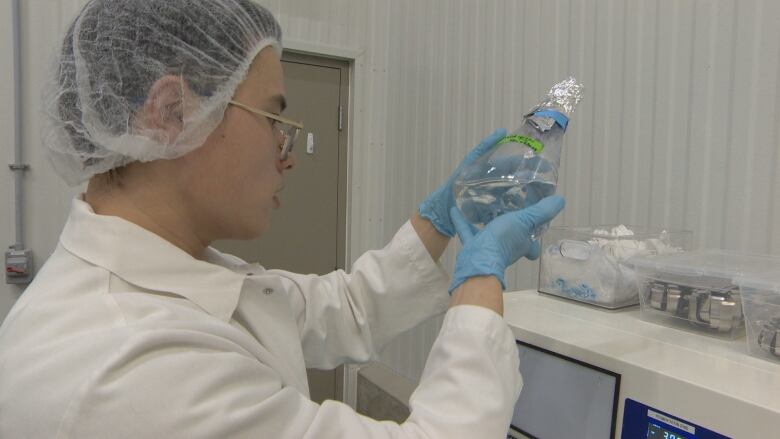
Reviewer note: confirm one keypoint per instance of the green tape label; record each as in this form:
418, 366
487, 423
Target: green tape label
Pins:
532, 143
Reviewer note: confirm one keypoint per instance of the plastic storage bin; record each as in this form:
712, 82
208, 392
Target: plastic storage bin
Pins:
585, 263
696, 290
761, 306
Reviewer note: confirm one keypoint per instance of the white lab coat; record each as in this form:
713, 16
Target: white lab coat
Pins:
123, 335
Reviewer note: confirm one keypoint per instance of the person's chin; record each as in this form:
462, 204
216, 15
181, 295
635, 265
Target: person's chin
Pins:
257, 229
252, 229
262, 230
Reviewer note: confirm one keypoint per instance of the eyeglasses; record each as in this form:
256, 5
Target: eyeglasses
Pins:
289, 129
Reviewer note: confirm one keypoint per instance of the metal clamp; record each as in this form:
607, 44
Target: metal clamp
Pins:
718, 310
726, 311
658, 296
676, 300
769, 336
669, 297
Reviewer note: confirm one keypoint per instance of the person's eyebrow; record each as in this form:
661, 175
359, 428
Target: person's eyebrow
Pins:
280, 100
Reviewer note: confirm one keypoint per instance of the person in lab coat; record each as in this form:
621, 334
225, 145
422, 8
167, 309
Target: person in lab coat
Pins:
136, 328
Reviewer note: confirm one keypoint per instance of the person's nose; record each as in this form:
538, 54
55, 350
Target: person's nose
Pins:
289, 162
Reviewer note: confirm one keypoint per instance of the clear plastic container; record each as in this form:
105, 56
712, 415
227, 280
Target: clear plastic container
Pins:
586, 263
761, 306
696, 290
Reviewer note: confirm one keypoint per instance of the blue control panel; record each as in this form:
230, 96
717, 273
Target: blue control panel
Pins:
641, 421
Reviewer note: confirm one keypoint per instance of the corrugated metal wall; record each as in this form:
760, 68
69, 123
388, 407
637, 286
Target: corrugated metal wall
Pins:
679, 126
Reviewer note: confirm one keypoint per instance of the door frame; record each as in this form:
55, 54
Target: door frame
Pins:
345, 60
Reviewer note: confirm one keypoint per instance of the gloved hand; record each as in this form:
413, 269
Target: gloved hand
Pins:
436, 208
503, 241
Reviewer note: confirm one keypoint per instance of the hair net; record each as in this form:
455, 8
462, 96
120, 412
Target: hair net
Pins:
112, 54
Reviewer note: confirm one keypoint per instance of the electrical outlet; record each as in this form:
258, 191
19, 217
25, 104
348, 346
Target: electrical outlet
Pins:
18, 266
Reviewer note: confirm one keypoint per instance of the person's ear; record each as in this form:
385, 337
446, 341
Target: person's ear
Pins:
162, 115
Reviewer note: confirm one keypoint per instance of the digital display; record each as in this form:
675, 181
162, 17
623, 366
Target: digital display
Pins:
556, 387
640, 420
655, 431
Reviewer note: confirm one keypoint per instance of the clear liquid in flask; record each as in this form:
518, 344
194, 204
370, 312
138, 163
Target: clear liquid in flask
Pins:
482, 201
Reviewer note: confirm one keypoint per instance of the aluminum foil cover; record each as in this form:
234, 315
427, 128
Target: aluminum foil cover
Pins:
564, 96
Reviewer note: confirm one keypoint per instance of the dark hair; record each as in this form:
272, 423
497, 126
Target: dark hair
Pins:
110, 36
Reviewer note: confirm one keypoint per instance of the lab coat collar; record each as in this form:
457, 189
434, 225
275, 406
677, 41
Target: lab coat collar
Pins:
143, 258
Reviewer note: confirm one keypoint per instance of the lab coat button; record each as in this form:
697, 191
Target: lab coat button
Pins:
268, 291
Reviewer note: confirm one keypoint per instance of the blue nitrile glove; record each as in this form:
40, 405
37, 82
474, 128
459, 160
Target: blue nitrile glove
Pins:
503, 241
436, 208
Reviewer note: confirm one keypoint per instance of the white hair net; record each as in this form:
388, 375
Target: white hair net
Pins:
112, 54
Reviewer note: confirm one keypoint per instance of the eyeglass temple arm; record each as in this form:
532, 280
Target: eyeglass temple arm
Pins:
266, 114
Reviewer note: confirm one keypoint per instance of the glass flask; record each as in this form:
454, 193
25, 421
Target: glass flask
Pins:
523, 167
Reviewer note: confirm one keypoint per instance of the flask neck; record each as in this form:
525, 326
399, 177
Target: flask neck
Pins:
557, 116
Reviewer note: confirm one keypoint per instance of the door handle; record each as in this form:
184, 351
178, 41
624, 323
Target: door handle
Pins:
310, 143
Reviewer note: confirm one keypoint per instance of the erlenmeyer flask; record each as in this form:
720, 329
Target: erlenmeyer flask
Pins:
523, 167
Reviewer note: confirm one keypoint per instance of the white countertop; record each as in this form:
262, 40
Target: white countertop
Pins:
617, 340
